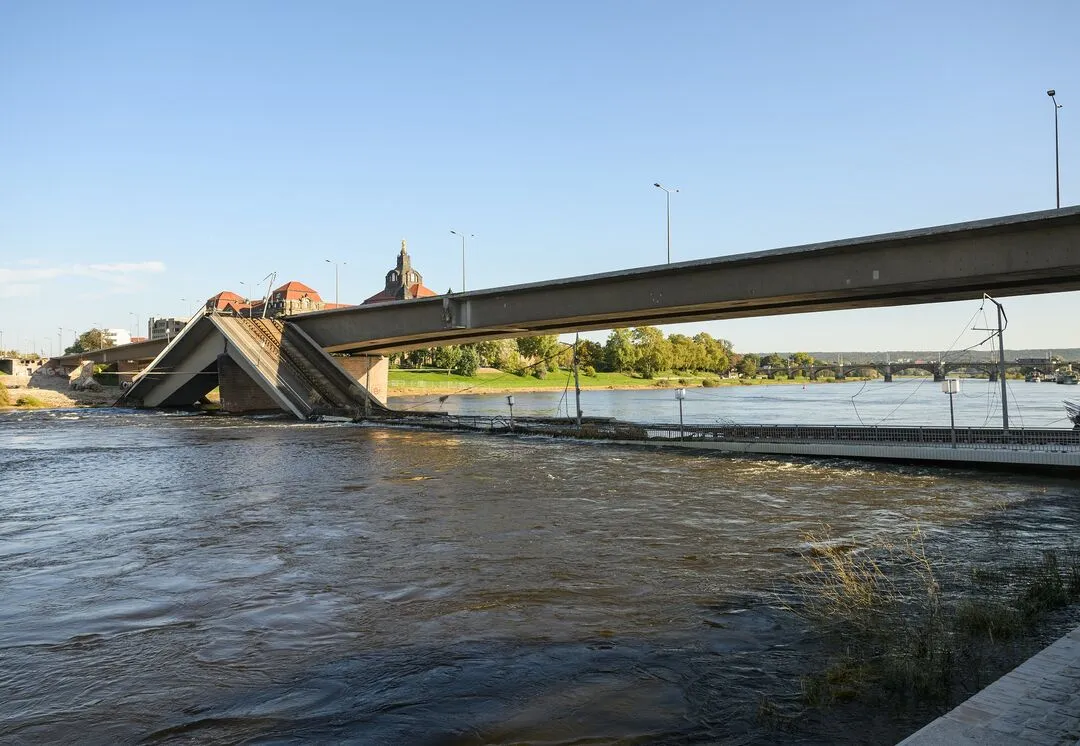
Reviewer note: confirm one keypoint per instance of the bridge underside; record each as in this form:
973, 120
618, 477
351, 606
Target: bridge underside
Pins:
258, 364
1015, 255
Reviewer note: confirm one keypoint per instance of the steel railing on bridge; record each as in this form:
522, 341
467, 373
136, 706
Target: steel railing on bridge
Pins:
1043, 439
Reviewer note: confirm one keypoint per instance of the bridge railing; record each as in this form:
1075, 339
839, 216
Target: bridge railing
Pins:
966, 437
610, 429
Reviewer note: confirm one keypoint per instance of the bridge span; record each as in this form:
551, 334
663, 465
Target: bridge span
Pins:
1013, 255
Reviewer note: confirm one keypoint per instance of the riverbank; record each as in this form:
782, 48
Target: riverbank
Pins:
492, 381
55, 393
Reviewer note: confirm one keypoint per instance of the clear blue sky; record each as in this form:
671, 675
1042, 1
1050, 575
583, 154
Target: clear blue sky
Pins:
153, 152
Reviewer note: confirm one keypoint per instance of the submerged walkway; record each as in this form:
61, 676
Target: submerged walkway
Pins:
1038, 702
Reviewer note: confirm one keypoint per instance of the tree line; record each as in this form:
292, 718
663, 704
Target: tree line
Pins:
642, 351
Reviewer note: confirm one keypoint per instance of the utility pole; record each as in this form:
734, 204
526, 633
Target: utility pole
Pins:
1002, 322
577, 383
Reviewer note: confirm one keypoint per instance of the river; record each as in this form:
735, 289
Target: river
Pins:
189, 578
906, 401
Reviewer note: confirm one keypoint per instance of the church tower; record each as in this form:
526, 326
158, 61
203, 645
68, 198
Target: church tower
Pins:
402, 282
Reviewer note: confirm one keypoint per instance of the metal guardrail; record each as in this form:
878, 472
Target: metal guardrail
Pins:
608, 429
967, 437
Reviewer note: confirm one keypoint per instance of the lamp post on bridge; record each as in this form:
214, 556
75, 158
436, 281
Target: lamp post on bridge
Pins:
330, 261
462, 237
667, 194
1057, 162
951, 386
680, 394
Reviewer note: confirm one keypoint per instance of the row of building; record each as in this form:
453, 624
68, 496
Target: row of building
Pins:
401, 283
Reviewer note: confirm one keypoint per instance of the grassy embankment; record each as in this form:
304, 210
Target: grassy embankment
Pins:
488, 381
908, 638
22, 402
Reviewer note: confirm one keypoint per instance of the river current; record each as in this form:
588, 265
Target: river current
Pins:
188, 578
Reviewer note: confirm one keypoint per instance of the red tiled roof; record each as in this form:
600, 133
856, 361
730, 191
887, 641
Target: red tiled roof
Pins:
223, 299
294, 290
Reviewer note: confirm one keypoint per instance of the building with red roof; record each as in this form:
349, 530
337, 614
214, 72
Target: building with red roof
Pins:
403, 282
227, 302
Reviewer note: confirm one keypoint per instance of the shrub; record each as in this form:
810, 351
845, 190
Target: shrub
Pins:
589, 371
709, 383
30, 402
5, 399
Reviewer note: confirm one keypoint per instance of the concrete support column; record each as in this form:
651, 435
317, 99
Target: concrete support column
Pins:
993, 376
939, 374
888, 374
370, 371
239, 393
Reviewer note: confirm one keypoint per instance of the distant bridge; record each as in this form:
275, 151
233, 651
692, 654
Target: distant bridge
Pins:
938, 369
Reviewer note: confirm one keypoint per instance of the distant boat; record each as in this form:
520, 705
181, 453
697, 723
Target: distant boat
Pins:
1033, 377
1072, 409
1067, 378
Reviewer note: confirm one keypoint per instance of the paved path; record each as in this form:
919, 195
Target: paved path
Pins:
1036, 703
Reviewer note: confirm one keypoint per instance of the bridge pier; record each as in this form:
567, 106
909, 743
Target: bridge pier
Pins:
993, 376
887, 373
939, 374
370, 371
239, 392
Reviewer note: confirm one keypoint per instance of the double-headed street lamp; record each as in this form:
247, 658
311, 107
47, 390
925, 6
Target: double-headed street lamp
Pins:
1057, 163
462, 237
667, 193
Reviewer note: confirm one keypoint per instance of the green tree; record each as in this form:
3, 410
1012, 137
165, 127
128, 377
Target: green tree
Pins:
654, 353
496, 353
446, 356
88, 341
590, 353
541, 348
468, 361
686, 353
619, 351
748, 365
775, 361
718, 352
802, 358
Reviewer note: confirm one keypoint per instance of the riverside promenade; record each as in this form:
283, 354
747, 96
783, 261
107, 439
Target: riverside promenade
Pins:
1036, 704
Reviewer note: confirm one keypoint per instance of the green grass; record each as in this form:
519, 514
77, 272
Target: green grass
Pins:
5, 398
555, 380
30, 402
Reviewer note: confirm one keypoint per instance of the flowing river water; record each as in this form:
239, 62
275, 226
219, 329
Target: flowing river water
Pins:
188, 579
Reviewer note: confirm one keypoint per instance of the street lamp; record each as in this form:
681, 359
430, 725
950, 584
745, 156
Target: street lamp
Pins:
680, 394
330, 261
667, 193
462, 237
1057, 162
132, 313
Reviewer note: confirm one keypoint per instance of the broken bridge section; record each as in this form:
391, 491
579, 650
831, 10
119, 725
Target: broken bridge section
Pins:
258, 365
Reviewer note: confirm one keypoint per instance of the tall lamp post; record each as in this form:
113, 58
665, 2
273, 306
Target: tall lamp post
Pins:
667, 194
132, 313
330, 261
462, 237
1057, 161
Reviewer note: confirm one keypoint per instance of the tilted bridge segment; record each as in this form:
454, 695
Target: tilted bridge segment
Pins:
1013, 255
